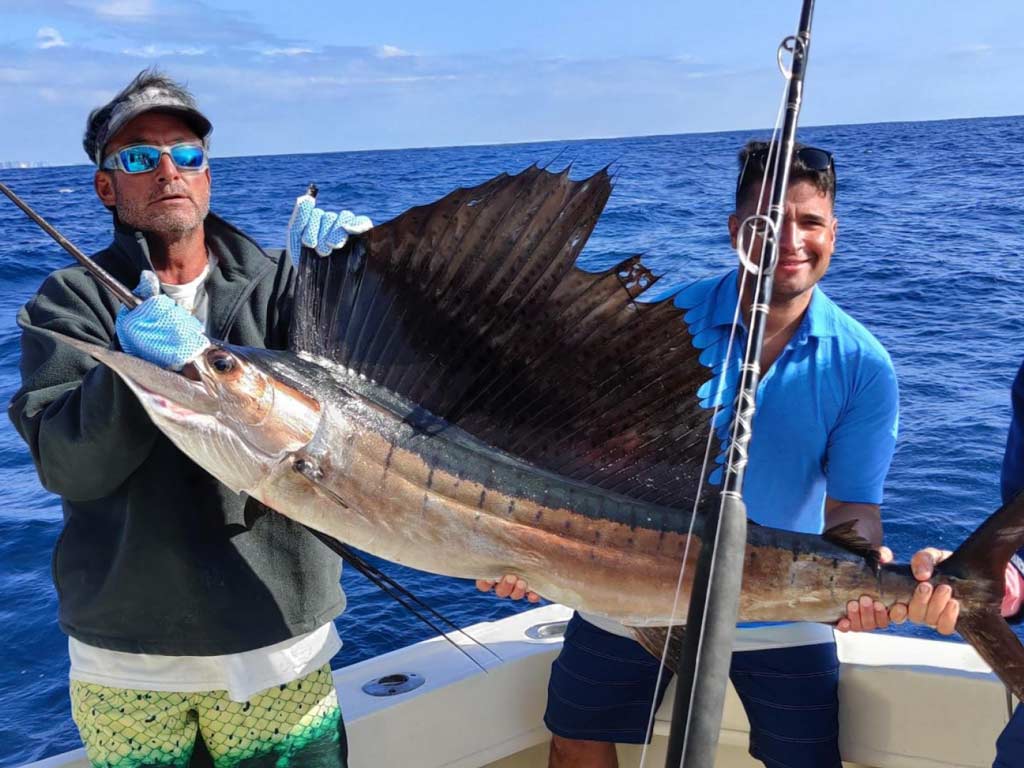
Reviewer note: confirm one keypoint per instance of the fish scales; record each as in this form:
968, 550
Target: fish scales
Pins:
602, 552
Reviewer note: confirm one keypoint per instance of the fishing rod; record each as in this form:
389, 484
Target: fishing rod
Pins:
714, 597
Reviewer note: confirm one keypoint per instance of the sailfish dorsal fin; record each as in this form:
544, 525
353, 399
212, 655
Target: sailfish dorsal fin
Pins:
473, 308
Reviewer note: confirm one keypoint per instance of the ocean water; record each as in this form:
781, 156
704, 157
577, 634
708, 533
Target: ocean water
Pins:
929, 257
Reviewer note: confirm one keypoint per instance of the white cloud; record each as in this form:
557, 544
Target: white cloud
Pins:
125, 9
685, 58
286, 51
383, 80
155, 51
390, 52
48, 37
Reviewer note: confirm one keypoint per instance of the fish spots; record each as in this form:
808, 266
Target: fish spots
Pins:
430, 478
511, 507
538, 515
480, 501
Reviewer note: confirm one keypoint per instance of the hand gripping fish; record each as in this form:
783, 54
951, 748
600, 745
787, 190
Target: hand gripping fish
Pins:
459, 397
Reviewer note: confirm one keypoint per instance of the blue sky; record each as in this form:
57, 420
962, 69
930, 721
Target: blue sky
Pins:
342, 76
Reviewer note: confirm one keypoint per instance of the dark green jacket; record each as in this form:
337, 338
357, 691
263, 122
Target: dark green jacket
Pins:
157, 556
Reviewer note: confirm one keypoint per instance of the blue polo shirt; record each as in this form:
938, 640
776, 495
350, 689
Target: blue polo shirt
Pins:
825, 424
827, 408
1013, 459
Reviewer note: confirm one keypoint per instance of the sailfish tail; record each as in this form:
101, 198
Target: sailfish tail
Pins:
976, 571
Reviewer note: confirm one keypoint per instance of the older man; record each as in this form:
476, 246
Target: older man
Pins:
823, 438
194, 614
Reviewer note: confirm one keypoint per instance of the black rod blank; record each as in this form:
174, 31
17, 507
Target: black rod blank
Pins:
715, 595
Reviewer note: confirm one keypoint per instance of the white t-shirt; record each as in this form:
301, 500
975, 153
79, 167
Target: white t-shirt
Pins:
242, 675
191, 296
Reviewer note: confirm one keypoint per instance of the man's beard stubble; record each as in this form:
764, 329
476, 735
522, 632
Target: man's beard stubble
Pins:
175, 224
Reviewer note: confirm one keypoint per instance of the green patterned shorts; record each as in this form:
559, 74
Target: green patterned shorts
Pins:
288, 726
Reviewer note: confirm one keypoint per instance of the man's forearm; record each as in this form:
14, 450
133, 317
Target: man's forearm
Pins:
85, 428
87, 442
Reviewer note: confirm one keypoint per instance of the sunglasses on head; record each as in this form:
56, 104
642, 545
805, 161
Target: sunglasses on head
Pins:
143, 158
812, 158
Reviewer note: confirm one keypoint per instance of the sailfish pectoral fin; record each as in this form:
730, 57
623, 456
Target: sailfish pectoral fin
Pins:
655, 639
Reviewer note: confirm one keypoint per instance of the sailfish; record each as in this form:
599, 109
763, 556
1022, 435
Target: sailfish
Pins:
460, 397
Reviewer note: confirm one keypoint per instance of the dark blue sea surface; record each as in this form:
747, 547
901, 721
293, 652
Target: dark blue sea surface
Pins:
929, 258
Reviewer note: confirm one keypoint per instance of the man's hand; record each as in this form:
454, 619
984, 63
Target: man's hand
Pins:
510, 586
866, 614
929, 605
936, 607
321, 230
158, 330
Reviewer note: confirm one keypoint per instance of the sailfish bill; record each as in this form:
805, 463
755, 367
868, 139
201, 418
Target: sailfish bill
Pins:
459, 397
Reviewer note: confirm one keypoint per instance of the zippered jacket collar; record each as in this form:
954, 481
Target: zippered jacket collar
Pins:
241, 263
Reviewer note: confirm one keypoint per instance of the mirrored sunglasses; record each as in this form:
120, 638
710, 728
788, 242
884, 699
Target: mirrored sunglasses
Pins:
143, 158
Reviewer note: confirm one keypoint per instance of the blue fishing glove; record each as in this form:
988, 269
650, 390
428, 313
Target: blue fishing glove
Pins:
158, 330
321, 230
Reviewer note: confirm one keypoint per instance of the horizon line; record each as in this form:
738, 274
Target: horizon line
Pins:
13, 165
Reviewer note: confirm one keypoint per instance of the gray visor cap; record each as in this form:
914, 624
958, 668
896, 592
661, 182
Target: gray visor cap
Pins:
102, 127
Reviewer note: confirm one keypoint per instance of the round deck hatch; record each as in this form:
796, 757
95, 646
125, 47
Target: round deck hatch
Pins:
550, 630
392, 685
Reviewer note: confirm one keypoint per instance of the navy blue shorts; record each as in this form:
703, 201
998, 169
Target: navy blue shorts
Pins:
602, 687
1010, 744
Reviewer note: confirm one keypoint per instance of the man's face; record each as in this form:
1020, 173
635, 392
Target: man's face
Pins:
167, 200
806, 241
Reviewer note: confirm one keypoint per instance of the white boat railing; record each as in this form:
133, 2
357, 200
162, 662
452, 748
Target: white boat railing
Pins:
905, 703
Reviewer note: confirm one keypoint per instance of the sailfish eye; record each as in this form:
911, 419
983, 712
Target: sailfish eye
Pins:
221, 361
